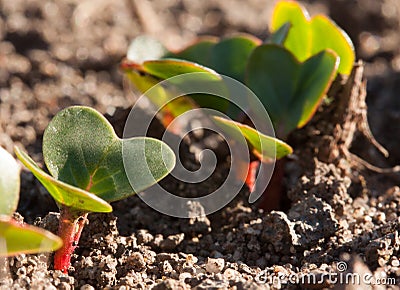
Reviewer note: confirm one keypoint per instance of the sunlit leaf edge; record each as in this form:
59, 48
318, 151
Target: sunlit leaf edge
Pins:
98, 204
282, 149
53, 241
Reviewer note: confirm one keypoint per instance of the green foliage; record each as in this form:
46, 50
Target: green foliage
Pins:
168, 68
227, 56
289, 89
279, 36
84, 157
290, 73
9, 183
309, 36
88, 170
21, 238
146, 75
198, 52
64, 193
265, 147
17, 238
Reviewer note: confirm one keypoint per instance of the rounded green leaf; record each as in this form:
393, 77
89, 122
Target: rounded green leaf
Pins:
198, 52
263, 146
290, 91
18, 238
229, 56
308, 37
81, 148
9, 183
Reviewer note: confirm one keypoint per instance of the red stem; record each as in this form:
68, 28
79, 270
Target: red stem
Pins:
252, 174
272, 196
69, 229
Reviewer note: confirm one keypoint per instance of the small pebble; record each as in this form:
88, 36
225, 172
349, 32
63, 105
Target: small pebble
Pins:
87, 287
231, 274
137, 261
215, 265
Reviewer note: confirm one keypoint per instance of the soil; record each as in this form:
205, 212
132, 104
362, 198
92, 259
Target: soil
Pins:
54, 54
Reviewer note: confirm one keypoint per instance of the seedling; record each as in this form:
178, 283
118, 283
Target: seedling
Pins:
17, 238
146, 75
309, 36
85, 159
290, 72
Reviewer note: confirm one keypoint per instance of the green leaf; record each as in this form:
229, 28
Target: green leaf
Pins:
308, 37
18, 238
151, 72
290, 91
168, 68
198, 52
229, 56
158, 95
62, 192
84, 157
263, 146
81, 148
279, 36
9, 183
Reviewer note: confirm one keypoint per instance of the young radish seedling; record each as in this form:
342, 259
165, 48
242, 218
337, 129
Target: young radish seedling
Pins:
87, 165
17, 238
290, 72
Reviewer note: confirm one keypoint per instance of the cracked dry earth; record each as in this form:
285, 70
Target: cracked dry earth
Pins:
338, 217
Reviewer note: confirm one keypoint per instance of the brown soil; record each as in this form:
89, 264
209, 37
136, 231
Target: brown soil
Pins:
54, 54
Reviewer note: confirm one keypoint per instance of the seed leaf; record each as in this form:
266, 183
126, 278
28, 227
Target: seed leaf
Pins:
198, 52
263, 146
152, 72
81, 148
85, 159
18, 238
62, 192
289, 90
9, 183
309, 36
229, 56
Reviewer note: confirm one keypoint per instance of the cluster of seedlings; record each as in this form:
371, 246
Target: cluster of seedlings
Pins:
290, 72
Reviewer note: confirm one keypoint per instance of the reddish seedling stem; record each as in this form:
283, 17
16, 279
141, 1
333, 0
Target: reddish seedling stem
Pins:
69, 229
252, 174
272, 196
